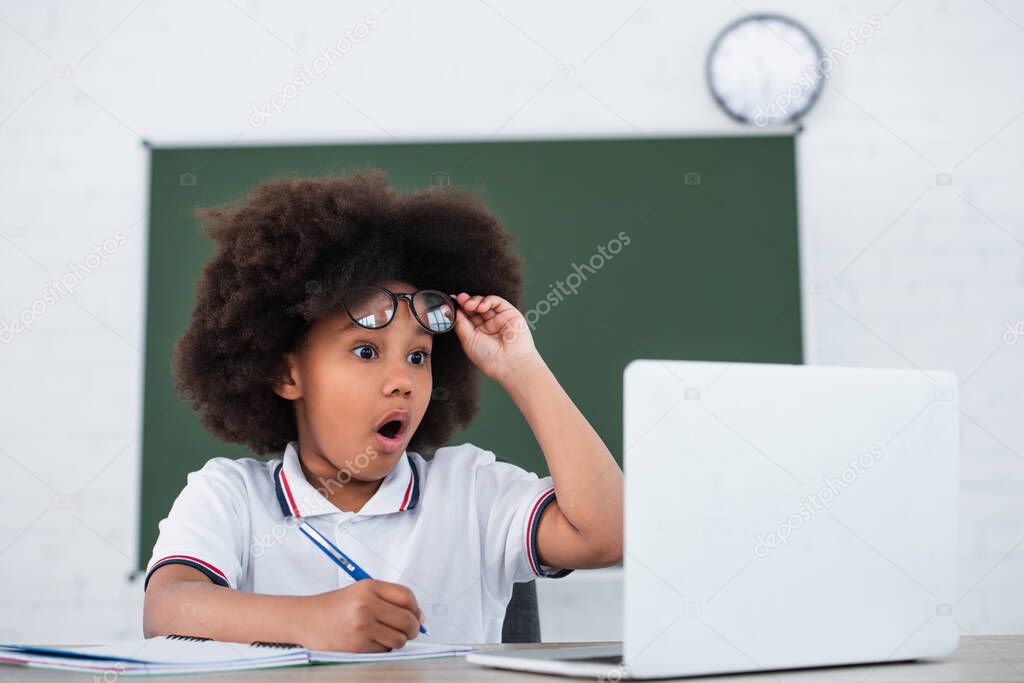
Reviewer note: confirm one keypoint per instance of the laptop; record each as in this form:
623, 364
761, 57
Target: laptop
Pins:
778, 517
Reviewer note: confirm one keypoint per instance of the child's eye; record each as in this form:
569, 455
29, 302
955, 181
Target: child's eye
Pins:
365, 351
419, 357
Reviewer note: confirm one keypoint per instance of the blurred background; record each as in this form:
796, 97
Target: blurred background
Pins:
903, 190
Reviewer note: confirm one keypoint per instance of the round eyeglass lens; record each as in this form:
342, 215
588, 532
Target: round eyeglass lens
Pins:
371, 307
434, 310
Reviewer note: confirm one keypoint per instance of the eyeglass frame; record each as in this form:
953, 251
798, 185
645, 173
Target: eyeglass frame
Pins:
408, 297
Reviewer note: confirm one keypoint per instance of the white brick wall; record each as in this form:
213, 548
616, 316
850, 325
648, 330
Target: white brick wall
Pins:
936, 90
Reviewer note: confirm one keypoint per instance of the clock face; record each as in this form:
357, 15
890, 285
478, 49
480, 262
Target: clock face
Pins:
765, 70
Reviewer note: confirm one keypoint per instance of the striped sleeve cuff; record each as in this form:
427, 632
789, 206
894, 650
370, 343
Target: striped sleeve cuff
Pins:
211, 572
531, 537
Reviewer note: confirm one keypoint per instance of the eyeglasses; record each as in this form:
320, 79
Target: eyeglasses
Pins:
375, 307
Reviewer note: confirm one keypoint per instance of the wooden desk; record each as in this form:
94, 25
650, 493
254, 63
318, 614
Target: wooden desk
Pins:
985, 659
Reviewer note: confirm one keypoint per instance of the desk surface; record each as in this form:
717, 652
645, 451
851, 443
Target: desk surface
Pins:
984, 659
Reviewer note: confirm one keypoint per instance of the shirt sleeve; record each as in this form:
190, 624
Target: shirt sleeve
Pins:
510, 501
207, 525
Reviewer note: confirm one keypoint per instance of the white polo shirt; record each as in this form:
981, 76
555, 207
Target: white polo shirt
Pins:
458, 530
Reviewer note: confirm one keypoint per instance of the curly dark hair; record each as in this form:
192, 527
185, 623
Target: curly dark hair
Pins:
284, 258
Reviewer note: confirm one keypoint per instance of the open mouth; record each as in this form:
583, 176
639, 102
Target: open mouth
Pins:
390, 429
393, 424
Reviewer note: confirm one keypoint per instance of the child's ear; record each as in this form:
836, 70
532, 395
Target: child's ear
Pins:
288, 386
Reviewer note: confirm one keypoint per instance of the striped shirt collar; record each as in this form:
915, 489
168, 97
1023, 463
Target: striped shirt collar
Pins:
399, 491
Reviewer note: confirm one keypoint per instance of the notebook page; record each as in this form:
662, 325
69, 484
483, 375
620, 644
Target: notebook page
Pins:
409, 651
161, 650
116, 667
157, 655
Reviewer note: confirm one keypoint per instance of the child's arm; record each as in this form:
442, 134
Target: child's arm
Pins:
583, 528
367, 616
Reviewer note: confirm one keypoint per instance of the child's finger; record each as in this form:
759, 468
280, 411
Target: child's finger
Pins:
492, 302
464, 324
475, 302
483, 307
499, 320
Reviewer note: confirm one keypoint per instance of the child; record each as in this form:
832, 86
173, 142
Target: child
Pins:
340, 325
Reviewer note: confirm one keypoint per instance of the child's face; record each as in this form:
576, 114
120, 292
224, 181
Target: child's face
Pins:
347, 379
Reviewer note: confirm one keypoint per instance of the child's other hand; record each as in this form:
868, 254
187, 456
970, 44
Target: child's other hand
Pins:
494, 335
367, 616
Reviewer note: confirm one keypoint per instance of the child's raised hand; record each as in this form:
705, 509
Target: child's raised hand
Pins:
494, 335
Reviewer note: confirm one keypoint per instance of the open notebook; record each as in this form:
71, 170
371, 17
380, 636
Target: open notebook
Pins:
187, 654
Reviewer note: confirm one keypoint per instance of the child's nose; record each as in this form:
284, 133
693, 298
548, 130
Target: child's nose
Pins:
399, 379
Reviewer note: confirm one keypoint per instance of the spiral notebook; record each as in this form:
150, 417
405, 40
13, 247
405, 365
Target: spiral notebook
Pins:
188, 654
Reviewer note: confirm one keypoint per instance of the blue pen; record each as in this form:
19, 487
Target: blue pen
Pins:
340, 558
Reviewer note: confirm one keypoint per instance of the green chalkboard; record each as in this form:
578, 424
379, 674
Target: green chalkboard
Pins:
710, 270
